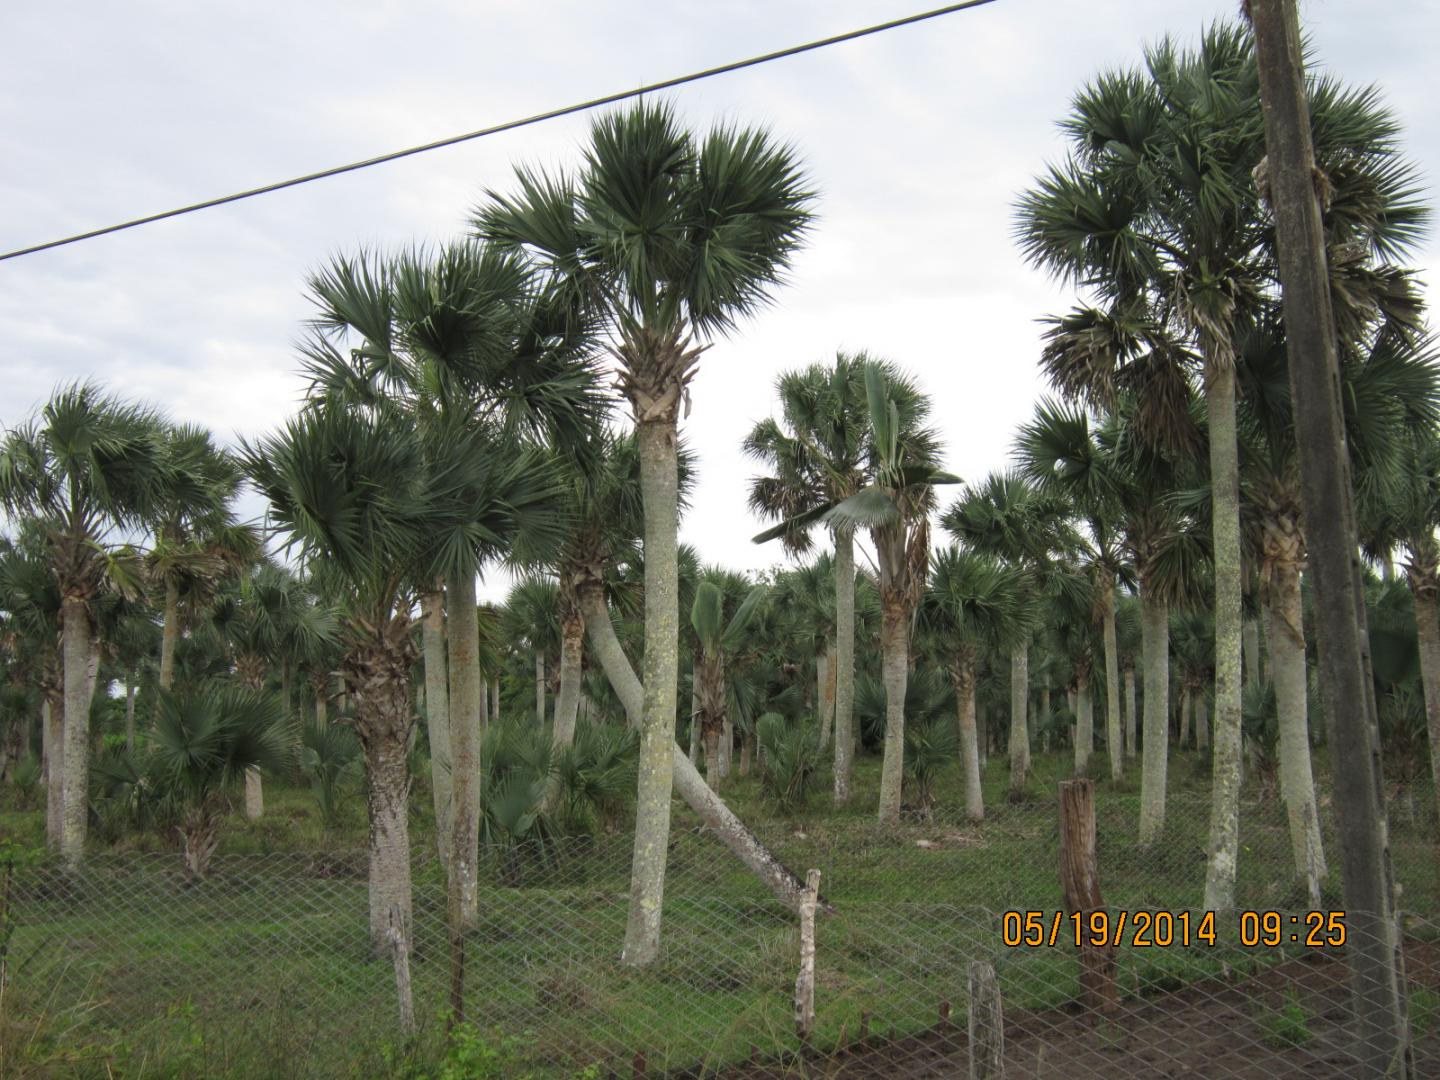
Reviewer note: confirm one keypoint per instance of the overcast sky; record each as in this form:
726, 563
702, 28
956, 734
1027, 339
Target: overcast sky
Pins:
917, 139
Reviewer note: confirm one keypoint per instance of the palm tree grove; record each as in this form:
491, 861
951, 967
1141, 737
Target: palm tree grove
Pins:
425, 729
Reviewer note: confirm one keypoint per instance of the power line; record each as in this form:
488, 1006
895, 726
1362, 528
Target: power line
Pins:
510, 125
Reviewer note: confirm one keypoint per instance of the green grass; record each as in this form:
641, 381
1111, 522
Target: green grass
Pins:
264, 970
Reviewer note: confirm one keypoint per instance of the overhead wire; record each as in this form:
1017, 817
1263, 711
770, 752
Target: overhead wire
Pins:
495, 129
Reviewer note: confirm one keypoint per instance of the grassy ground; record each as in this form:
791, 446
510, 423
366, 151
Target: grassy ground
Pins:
265, 969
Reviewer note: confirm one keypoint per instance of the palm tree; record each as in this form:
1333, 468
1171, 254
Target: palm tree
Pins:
1057, 452
807, 595
818, 454
1006, 517
467, 340
203, 742
196, 538
86, 468
975, 605
372, 504
717, 638
1405, 513
274, 616
895, 507
532, 617
1156, 211
670, 238
32, 629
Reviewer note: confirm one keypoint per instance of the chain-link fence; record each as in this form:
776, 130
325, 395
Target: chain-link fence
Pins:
944, 949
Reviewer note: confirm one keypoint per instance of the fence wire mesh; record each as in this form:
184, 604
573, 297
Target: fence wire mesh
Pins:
266, 967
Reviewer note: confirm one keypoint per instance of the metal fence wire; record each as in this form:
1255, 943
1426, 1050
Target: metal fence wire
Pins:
946, 952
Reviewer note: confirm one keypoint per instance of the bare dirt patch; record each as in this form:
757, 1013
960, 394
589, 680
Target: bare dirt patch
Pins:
1287, 1022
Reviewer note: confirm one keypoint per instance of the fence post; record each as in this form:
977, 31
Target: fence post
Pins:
805, 981
1080, 887
400, 952
985, 1024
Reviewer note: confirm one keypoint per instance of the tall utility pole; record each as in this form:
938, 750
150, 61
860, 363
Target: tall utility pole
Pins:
1377, 981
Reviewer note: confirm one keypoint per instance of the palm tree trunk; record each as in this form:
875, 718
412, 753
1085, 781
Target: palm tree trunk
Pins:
539, 688
1251, 637
694, 710
1114, 739
744, 754
1187, 712
895, 665
1225, 495
826, 671
130, 711
462, 631
969, 743
1286, 635
1084, 724
844, 662
169, 633
1155, 657
1202, 721
495, 701
384, 733
718, 817
437, 715
1427, 625
52, 747
1019, 731
75, 757
567, 701
322, 709
659, 493
1130, 718
727, 747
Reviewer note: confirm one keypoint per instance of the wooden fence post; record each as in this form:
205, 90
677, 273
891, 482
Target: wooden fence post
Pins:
1080, 888
805, 981
985, 1024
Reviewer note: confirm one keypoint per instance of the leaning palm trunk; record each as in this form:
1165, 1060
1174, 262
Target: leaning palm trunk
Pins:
1155, 646
1019, 730
1114, 739
572, 642
463, 639
1225, 495
1285, 633
895, 664
963, 672
1084, 723
1426, 590
437, 716
718, 818
75, 743
659, 491
1130, 718
844, 661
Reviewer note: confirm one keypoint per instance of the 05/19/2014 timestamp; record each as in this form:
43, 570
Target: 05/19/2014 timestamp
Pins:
1165, 929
